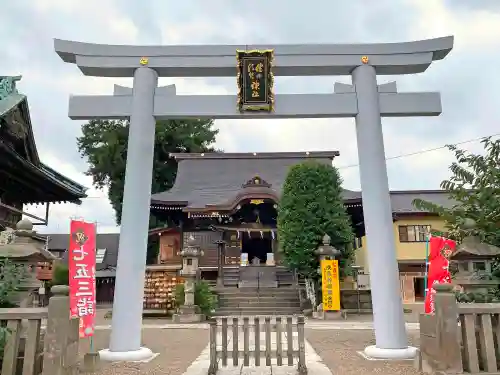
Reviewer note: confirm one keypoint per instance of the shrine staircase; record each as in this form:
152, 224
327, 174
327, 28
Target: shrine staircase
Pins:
258, 290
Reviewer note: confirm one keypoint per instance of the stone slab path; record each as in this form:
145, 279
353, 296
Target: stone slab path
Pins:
310, 324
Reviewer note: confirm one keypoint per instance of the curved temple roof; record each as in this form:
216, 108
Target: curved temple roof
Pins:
219, 60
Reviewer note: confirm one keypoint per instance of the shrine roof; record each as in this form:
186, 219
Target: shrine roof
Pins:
214, 178
108, 241
20, 156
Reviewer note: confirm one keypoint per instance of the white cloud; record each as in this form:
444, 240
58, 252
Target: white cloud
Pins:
468, 108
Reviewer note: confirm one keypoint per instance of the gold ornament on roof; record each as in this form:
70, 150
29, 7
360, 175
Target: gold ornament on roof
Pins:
364, 59
144, 61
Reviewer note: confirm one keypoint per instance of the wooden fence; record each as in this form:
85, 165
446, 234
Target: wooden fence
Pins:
41, 340
264, 343
460, 337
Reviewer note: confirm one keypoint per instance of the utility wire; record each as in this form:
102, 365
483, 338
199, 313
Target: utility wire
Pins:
427, 150
355, 165
402, 155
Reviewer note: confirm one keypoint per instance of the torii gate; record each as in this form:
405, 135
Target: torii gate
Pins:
364, 100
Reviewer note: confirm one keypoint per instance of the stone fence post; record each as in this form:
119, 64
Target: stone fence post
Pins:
61, 336
440, 349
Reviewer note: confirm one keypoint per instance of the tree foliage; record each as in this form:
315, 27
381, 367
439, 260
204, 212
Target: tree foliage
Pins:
474, 191
104, 144
312, 206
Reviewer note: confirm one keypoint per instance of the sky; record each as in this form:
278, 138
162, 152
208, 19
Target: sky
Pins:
468, 78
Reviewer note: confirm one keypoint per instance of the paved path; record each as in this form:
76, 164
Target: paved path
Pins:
310, 324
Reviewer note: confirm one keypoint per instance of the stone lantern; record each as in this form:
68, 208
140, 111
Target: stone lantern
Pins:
26, 251
189, 312
325, 251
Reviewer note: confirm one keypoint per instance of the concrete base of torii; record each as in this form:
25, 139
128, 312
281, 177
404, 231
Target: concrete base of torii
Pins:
140, 355
373, 351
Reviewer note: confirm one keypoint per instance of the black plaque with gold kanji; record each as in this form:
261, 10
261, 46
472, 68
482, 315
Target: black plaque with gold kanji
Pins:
255, 80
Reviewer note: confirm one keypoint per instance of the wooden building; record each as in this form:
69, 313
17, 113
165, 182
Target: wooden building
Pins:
226, 196
24, 179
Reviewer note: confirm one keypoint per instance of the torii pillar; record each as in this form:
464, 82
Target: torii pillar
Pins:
364, 100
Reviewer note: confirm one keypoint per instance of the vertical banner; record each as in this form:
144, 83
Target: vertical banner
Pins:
330, 285
81, 265
441, 249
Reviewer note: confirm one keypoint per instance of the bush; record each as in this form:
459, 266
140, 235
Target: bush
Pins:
204, 297
312, 206
11, 276
61, 275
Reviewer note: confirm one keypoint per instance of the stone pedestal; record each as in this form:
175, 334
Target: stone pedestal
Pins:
188, 314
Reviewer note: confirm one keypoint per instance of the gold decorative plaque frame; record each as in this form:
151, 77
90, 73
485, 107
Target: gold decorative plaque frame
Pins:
263, 98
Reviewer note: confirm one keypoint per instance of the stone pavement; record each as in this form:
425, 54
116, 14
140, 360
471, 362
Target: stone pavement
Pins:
339, 351
310, 324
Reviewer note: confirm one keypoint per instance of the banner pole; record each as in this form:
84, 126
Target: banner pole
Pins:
426, 264
95, 291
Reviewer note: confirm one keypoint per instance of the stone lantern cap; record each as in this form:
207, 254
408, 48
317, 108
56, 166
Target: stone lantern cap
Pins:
22, 244
192, 250
325, 249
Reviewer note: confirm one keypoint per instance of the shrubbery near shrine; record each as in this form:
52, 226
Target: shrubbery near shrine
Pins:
311, 206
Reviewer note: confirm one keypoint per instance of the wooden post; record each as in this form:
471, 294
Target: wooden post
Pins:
246, 342
257, 340
289, 339
212, 369
267, 331
235, 342
224, 341
279, 346
301, 366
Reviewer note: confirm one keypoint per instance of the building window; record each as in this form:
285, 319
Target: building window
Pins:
99, 255
413, 233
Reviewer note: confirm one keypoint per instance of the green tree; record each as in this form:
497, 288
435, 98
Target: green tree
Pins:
311, 206
474, 193
104, 144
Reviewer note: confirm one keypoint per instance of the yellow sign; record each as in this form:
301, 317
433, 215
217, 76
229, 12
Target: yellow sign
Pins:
330, 285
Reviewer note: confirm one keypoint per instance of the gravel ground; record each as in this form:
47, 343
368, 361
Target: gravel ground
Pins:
338, 350
177, 348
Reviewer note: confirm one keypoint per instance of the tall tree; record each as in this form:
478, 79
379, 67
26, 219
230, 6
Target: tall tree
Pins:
310, 207
474, 191
104, 144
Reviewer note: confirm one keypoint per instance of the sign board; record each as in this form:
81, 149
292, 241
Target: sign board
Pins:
255, 80
330, 285
81, 264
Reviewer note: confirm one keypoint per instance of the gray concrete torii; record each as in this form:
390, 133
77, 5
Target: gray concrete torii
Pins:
364, 99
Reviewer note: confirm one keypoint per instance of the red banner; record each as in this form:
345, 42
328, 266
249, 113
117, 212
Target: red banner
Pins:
81, 264
438, 271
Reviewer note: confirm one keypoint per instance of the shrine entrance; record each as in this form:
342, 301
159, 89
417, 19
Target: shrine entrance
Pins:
257, 248
364, 99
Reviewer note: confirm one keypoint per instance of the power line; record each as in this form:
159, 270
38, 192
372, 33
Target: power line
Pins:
397, 156
427, 150
355, 165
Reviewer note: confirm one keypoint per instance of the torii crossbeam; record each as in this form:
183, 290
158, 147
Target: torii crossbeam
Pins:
364, 99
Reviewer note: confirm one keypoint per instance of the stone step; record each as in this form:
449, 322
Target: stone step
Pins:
228, 311
249, 294
267, 305
255, 298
